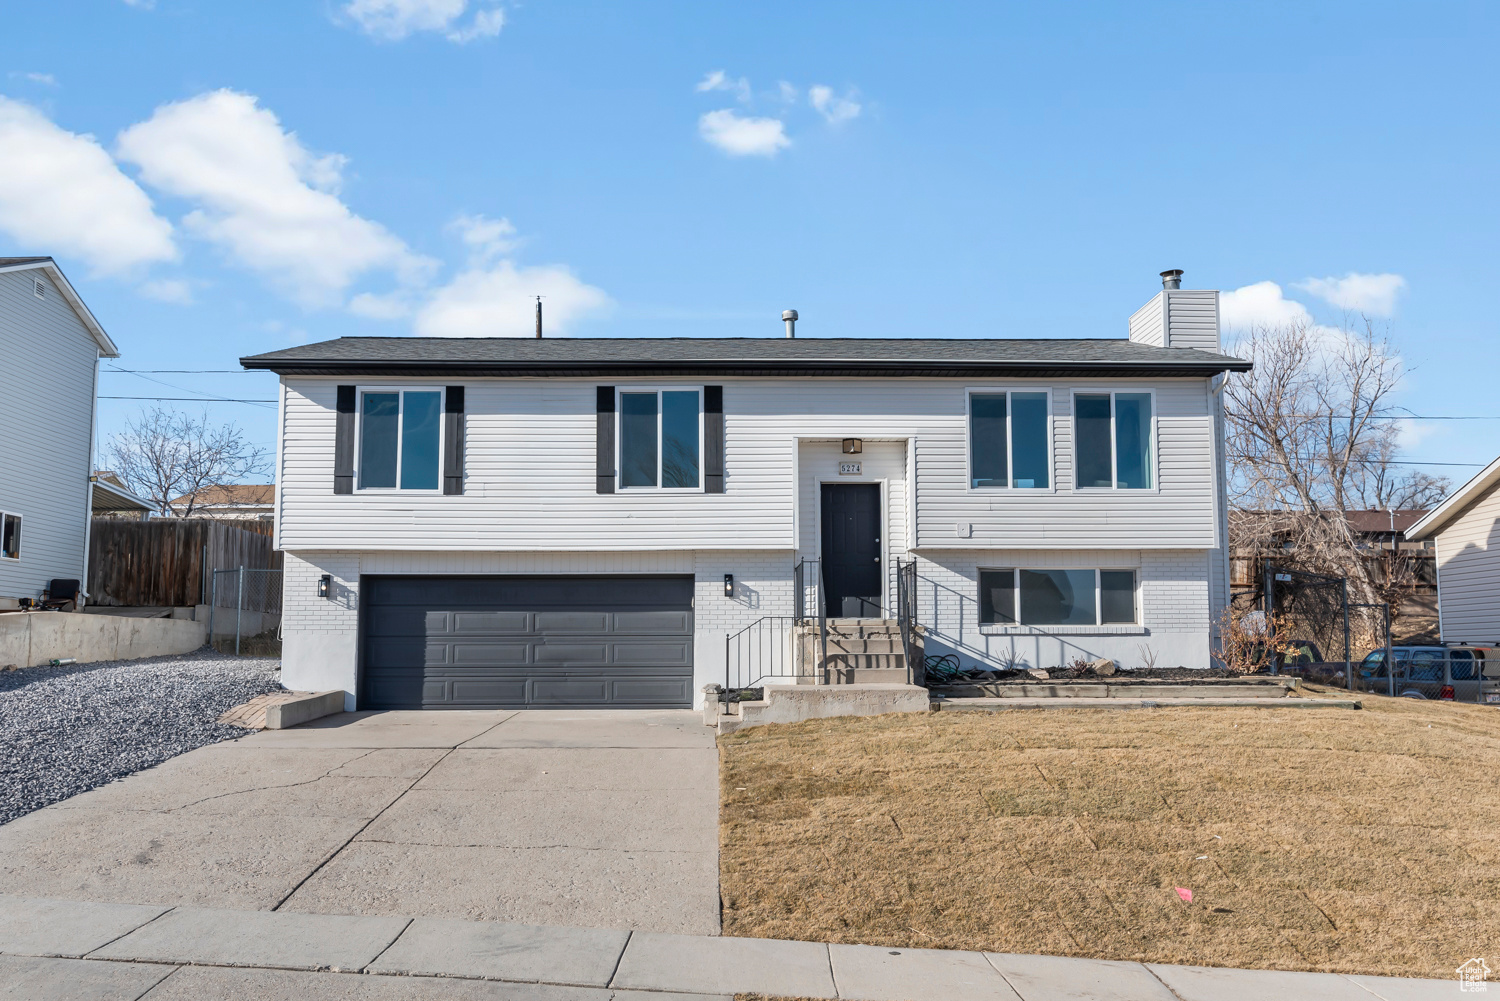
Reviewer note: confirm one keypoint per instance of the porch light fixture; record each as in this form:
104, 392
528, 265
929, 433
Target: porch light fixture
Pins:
325, 585
729, 585
853, 446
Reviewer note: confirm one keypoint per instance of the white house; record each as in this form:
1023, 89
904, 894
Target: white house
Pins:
616, 522
50, 346
1466, 531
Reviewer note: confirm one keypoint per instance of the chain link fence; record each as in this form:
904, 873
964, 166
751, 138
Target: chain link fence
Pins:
244, 611
1318, 630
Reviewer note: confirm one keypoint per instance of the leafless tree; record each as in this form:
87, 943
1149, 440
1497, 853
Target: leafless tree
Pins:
1313, 434
163, 455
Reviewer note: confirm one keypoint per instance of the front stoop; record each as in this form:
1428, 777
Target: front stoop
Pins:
859, 651
795, 703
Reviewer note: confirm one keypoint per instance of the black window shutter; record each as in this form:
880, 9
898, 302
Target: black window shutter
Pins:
343, 440
604, 440
713, 439
453, 440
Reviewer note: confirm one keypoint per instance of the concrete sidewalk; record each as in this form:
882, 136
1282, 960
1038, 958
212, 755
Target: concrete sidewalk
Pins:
53, 949
602, 819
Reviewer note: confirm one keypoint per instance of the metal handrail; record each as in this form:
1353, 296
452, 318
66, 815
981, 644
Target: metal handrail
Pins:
752, 640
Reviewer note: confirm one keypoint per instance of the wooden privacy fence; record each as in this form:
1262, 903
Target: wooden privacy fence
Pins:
162, 561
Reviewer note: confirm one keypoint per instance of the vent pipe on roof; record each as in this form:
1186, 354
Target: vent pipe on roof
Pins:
790, 316
538, 317
1171, 279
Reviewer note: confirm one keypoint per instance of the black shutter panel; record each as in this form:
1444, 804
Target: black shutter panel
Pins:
343, 440
604, 440
453, 440
713, 439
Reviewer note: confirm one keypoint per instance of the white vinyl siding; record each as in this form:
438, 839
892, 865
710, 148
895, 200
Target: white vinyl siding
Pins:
1178, 318
530, 473
47, 363
1468, 558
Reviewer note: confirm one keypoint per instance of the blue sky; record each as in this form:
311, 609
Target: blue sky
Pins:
223, 179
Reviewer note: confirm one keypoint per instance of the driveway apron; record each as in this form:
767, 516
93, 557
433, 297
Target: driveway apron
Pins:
605, 819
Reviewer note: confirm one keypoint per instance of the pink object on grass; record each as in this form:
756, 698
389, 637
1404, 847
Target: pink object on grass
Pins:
1186, 895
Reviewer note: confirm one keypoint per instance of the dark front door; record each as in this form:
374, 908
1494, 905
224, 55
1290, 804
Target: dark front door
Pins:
851, 549
526, 642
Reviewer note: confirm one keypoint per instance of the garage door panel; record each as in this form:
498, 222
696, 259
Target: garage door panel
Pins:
511, 642
478, 654
651, 691
469, 623
641, 654
670, 623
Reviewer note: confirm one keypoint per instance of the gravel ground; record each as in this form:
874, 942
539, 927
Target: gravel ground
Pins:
65, 730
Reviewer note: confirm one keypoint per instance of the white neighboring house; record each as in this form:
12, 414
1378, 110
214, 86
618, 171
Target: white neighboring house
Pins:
50, 346
1466, 530
477, 523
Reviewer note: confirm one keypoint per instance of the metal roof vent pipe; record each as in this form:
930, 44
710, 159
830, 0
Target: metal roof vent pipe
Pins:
1172, 280
790, 316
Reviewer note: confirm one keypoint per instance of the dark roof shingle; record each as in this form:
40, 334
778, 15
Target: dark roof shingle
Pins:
584, 356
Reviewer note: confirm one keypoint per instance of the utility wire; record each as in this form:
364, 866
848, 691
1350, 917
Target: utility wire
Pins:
189, 399
1370, 417
185, 371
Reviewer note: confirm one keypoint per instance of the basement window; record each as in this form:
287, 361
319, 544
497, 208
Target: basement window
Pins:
1057, 597
400, 439
10, 536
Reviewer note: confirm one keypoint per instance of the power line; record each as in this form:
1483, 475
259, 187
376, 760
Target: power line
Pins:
184, 371
1370, 417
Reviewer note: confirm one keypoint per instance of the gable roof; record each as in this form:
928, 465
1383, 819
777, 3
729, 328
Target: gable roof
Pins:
839, 356
231, 494
1455, 503
47, 264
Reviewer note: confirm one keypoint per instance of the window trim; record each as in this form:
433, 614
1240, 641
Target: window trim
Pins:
359, 436
1010, 449
20, 534
1098, 623
1114, 459
658, 389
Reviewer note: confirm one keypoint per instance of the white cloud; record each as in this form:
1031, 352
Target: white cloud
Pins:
1260, 305
500, 301
62, 195
1371, 294
45, 79
173, 290
486, 239
142, 4
833, 108
718, 80
389, 306
787, 91
261, 196
739, 135
393, 20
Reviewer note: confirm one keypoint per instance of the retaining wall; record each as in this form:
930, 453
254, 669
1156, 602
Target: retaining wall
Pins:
31, 639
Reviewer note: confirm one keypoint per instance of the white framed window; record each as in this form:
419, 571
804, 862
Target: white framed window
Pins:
1010, 439
399, 445
659, 438
10, 536
1010, 596
1114, 439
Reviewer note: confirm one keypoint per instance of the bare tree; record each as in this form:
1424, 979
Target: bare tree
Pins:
1313, 435
163, 455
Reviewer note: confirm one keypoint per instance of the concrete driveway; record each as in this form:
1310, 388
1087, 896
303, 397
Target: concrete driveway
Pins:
600, 819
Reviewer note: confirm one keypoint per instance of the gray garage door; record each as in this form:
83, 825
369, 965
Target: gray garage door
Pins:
526, 642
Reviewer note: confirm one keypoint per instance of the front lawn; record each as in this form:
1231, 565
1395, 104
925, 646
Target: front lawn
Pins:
1311, 839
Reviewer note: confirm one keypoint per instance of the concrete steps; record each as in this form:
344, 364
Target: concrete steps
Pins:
858, 651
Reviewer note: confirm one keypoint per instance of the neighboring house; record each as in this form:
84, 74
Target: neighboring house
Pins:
250, 501
113, 499
522, 522
50, 346
1466, 531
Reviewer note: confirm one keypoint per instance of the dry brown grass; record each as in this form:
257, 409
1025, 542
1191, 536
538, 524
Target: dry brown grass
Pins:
1357, 842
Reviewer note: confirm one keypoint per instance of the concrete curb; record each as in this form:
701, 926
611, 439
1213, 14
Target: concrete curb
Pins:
1001, 704
601, 963
303, 709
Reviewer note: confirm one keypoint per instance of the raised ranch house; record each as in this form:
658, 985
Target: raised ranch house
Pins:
50, 346
617, 522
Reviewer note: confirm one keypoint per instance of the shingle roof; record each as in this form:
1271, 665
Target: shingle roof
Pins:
6, 262
510, 356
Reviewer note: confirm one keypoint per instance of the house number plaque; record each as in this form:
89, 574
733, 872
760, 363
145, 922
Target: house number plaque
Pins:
849, 469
